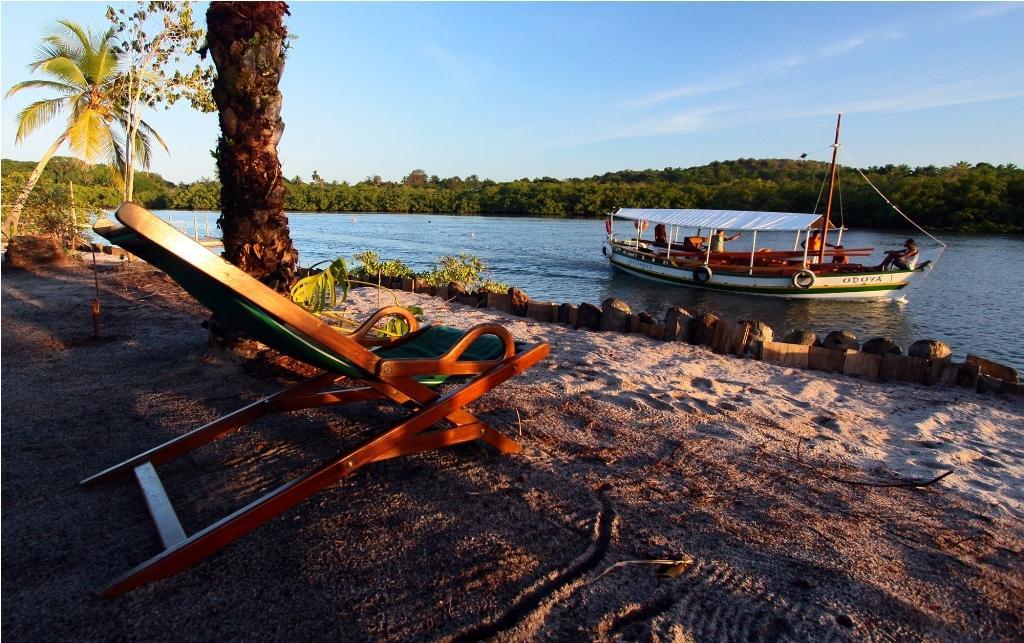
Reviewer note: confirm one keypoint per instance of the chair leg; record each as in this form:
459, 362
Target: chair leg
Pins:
212, 538
418, 393
214, 430
430, 440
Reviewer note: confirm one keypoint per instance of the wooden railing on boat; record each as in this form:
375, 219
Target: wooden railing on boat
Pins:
783, 263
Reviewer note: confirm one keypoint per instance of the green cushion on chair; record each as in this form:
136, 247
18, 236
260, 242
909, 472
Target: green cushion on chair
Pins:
435, 341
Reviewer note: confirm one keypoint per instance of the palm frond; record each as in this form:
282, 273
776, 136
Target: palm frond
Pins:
42, 84
106, 59
150, 132
37, 114
117, 175
89, 134
143, 149
117, 151
144, 128
117, 159
82, 35
51, 47
65, 69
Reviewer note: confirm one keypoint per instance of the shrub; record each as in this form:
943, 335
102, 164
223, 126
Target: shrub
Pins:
50, 211
465, 269
370, 266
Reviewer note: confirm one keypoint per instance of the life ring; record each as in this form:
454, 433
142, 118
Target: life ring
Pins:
702, 275
640, 225
803, 279
608, 225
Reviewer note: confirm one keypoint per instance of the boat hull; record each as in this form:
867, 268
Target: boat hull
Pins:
850, 285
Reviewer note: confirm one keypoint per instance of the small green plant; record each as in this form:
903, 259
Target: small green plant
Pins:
370, 266
50, 211
318, 293
397, 326
465, 269
494, 286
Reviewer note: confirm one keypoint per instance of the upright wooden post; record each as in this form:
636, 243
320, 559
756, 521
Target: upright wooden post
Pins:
831, 193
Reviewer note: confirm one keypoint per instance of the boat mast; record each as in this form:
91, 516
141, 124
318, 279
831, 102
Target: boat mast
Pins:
831, 191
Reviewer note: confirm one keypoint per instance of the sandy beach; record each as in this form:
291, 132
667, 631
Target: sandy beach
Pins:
761, 478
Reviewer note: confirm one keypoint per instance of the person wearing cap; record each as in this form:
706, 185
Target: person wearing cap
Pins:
904, 259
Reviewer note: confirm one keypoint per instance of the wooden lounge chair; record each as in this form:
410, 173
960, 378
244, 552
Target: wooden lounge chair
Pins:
405, 371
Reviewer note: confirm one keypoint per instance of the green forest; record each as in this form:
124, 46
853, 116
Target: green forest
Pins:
962, 197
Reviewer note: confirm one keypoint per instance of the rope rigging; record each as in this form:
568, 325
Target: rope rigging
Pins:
892, 205
824, 177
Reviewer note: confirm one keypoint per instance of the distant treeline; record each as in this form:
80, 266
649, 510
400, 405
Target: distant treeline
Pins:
970, 198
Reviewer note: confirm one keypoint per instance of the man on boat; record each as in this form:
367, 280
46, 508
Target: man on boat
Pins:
904, 259
660, 234
718, 240
813, 243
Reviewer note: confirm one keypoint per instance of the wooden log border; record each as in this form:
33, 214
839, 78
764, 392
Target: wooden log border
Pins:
732, 338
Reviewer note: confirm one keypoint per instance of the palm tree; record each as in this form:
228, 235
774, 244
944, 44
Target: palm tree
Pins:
83, 72
248, 41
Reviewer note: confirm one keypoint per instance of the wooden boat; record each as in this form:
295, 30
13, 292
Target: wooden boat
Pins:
828, 272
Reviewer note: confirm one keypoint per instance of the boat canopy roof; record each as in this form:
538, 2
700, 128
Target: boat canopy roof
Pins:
723, 219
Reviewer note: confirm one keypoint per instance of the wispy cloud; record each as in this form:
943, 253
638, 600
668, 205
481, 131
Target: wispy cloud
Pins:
787, 107
743, 77
698, 89
690, 120
902, 100
676, 122
988, 10
946, 95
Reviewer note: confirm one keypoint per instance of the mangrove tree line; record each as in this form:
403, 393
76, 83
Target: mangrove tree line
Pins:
980, 198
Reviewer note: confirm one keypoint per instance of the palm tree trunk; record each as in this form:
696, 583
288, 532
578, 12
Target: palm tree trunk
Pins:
247, 43
19, 203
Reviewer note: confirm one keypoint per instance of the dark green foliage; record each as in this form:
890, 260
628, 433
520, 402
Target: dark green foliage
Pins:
468, 270
372, 268
96, 186
970, 198
51, 210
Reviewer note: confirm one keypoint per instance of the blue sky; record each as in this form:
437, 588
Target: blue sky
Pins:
575, 89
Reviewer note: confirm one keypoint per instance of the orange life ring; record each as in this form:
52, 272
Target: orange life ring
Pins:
640, 225
608, 225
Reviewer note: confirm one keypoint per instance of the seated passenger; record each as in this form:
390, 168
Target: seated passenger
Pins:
840, 256
718, 240
904, 259
660, 234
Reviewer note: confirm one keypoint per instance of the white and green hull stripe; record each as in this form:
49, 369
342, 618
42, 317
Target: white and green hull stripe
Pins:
856, 285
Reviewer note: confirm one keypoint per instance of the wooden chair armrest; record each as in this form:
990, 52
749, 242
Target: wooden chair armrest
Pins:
360, 333
448, 363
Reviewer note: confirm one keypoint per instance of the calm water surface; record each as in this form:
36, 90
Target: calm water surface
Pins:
973, 299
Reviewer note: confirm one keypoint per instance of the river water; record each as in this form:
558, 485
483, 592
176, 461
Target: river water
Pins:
973, 299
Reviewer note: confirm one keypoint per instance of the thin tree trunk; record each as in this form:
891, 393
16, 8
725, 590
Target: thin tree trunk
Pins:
19, 203
247, 43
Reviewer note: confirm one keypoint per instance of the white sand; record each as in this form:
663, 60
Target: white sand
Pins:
632, 450
888, 431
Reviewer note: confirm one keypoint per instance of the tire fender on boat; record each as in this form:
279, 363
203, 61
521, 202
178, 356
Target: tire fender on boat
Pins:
803, 279
604, 250
702, 275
